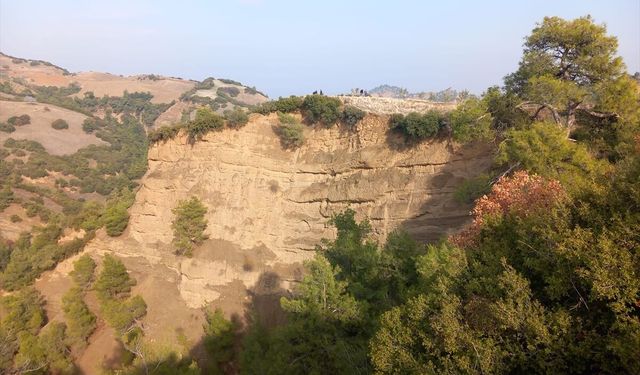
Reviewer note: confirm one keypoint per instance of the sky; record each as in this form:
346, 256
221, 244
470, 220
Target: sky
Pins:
287, 47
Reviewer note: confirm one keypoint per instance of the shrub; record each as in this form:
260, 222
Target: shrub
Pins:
236, 117
352, 115
6, 197
285, 105
164, 133
7, 128
322, 109
15, 218
206, 120
418, 126
231, 91
60, 124
19, 120
90, 125
189, 225
290, 131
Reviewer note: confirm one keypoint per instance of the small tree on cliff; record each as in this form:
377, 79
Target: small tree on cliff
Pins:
189, 225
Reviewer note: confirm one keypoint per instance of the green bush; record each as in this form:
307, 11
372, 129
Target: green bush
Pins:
164, 133
321, 109
290, 131
418, 126
19, 120
236, 117
7, 128
206, 120
473, 188
352, 115
231, 91
15, 218
60, 124
285, 105
89, 125
6, 197
188, 225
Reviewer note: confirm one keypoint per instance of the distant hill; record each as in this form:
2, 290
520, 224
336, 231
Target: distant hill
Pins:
23, 79
389, 91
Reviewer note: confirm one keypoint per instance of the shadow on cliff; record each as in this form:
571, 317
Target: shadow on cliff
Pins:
441, 214
218, 353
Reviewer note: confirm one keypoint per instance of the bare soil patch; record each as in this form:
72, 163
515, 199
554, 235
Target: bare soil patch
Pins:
56, 142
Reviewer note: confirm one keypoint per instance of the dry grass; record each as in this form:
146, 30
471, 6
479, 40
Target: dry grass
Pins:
56, 142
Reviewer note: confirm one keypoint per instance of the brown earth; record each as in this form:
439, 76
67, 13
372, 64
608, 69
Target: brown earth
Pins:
56, 142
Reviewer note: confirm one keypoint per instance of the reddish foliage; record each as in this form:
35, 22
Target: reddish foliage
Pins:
521, 195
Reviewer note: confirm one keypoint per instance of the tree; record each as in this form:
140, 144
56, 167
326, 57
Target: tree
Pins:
189, 225
81, 322
83, 269
219, 338
113, 281
470, 121
564, 64
320, 294
544, 149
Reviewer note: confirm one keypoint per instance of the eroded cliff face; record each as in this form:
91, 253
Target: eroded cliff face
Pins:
268, 207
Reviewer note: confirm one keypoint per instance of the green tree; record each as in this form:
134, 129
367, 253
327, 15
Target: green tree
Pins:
544, 149
81, 322
219, 338
470, 121
189, 225
564, 64
113, 281
83, 271
320, 294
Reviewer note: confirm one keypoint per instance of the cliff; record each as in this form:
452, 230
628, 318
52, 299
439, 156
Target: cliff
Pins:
269, 207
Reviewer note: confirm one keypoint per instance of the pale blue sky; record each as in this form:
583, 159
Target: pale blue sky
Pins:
294, 47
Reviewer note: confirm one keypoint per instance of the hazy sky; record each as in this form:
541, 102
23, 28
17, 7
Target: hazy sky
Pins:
294, 47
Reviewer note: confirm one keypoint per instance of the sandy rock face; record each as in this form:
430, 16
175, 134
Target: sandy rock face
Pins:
263, 199
268, 208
